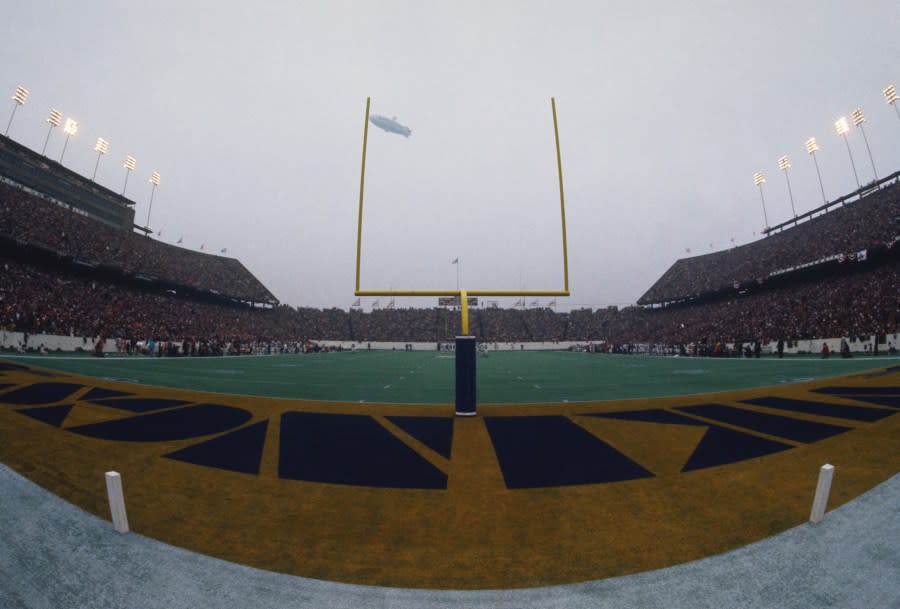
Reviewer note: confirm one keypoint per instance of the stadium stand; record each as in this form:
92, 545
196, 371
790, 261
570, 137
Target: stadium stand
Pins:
29, 220
871, 221
70, 273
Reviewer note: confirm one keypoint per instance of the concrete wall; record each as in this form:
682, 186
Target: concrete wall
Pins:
15, 340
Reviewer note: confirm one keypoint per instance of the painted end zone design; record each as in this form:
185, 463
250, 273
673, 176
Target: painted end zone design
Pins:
524, 495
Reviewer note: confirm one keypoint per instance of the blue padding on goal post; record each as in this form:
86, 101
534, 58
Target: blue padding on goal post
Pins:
465, 376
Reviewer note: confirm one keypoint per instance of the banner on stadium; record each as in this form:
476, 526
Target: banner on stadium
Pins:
453, 301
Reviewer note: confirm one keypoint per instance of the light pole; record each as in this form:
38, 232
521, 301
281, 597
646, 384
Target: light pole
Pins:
129, 166
811, 148
842, 129
19, 97
154, 179
70, 129
759, 180
54, 119
784, 164
100, 148
890, 94
858, 120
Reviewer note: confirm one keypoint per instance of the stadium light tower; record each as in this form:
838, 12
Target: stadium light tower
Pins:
890, 95
54, 120
811, 148
19, 97
784, 164
759, 180
858, 120
843, 129
129, 166
70, 129
100, 148
154, 179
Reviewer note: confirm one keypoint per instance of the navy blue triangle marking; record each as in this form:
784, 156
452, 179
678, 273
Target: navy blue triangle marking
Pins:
654, 415
825, 409
40, 393
350, 449
721, 446
551, 450
179, 424
891, 401
53, 415
140, 404
238, 451
771, 424
434, 432
98, 393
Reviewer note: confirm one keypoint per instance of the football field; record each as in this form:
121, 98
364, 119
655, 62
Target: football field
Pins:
351, 466
424, 377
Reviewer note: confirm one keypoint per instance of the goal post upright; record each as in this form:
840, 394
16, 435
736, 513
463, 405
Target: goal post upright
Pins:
465, 394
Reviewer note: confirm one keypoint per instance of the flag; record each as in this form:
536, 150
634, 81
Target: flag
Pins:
390, 305
376, 305
224, 250
180, 239
356, 303
552, 303
201, 245
455, 261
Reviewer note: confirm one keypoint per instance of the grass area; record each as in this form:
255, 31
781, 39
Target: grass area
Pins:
428, 377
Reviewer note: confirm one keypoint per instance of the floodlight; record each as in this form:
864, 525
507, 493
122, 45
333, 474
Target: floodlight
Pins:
843, 129
19, 97
54, 120
841, 126
759, 180
811, 148
784, 164
129, 166
70, 129
154, 179
890, 95
858, 120
100, 148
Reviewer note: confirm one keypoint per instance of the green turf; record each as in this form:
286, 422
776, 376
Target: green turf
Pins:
427, 377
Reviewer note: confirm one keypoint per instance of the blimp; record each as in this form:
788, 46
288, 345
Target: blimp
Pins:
390, 125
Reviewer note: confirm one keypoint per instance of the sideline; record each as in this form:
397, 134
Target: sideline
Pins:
56, 555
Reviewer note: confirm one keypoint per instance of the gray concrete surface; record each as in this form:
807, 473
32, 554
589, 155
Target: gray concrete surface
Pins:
55, 555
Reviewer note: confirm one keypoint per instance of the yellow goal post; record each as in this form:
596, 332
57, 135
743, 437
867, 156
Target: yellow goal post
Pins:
462, 294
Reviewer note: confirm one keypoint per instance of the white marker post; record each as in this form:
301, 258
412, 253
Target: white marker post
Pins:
116, 501
823, 488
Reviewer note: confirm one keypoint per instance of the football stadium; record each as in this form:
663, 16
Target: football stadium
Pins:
174, 434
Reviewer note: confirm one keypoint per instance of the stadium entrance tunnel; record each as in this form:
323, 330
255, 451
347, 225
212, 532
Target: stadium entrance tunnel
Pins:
407, 495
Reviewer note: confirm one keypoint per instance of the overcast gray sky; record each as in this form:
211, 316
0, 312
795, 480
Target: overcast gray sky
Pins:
252, 113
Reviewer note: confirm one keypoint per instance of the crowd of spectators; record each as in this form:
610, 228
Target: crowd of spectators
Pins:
38, 300
32, 220
872, 221
725, 297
